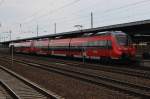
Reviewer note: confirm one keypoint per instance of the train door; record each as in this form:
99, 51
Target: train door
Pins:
108, 48
32, 47
70, 51
49, 48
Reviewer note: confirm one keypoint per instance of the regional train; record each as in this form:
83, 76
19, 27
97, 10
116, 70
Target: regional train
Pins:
100, 45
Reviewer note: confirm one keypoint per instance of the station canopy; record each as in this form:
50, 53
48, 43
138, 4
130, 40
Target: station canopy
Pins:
139, 31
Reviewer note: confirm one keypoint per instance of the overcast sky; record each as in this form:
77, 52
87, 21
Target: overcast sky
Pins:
22, 16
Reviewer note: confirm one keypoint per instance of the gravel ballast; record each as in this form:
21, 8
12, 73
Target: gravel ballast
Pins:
67, 87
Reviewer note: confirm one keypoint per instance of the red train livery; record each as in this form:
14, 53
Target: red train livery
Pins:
100, 45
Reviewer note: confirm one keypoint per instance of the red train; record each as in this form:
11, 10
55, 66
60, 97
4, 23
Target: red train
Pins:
100, 45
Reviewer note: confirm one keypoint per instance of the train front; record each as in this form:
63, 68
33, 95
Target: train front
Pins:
125, 46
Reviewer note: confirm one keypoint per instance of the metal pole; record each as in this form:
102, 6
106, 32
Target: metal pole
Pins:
91, 19
55, 28
10, 34
20, 28
37, 29
83, 54
12, 54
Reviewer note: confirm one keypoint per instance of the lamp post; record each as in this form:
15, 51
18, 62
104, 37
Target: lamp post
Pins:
37, 30
79, 27
10, 32
12, 54
55, 27
91, 19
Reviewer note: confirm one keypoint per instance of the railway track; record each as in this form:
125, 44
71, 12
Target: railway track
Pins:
21, 88
140, 71
5, 93
146, 63
121, 86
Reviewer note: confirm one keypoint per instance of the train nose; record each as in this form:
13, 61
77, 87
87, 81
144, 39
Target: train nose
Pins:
123, 49
130, 52
127, 51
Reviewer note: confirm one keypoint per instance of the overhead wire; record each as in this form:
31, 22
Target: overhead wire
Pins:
111, 17
129, 5
37, 12
72, 13
72, 19
55, 10
106, 11
126, 6
49, 13
125, 17
110, 10
1, 2
119, 8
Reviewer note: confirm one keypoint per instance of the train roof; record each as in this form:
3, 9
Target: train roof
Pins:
110, 32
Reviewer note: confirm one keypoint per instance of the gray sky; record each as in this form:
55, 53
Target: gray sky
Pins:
66, 13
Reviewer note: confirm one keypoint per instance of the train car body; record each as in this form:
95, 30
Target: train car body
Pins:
60, 47
23, 47
101, 45
41, 46
90, 47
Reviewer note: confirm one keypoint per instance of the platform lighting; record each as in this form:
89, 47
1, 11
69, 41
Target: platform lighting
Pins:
79, 27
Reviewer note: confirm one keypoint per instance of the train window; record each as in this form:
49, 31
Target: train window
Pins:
100, 43
97, 43
103, 43
122, 39
59, 47
89, 43
109, 44
85, 44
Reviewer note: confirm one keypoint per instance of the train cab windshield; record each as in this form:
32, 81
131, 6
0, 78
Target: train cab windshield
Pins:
123, 39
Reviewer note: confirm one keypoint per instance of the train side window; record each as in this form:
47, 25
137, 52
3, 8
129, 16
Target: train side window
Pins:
103, 43
97, 43
109, 44
89, 44
85, 44
94, 44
